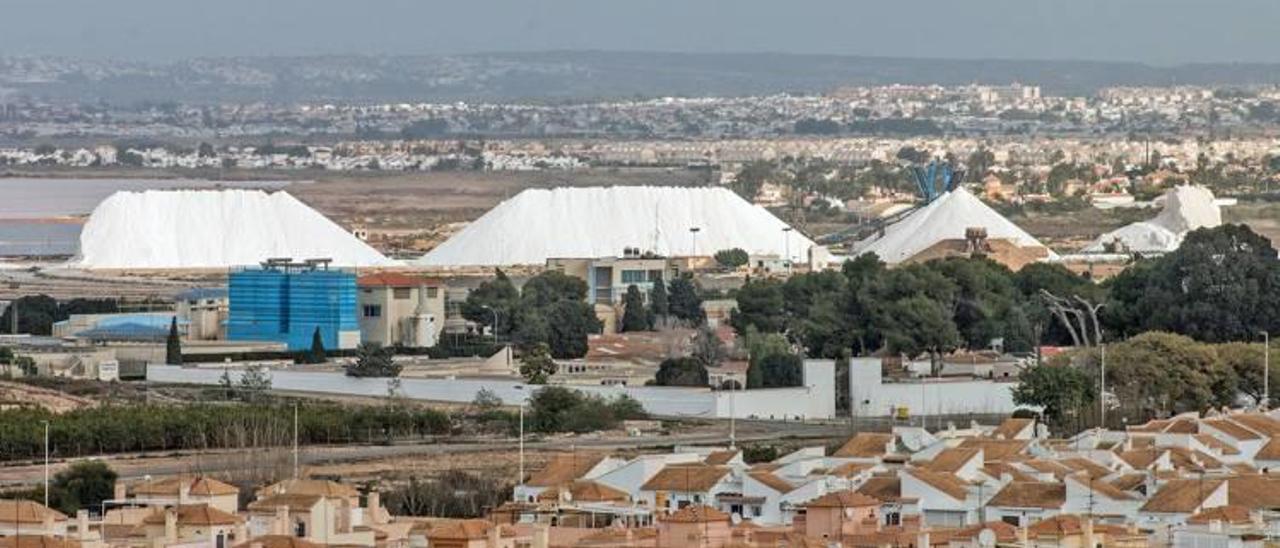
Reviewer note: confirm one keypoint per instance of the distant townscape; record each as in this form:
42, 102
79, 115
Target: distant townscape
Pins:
555, 300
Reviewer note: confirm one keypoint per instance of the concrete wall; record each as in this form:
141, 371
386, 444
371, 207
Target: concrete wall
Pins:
812, 402
872, 397
816, 399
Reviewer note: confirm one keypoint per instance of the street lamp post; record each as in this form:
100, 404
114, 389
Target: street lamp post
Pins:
520, 480
694, 231
786, 236
46, 463
1266, 370
495, 322
1102, 388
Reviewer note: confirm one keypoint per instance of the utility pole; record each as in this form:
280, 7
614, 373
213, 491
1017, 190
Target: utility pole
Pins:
1102, 389
1266, 370
295, 441
786, 235
46, 463
733, 417
520, 479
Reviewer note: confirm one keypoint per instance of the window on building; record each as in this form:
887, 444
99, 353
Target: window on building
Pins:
756, 510
300, 529
433, 292
634, 276
893, 518
220, 541
697, 499
400, 293
1012, 520
372, 311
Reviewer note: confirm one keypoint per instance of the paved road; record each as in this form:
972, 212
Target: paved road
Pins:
136, 466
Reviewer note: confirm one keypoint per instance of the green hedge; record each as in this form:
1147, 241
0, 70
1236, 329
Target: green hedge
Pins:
131, 428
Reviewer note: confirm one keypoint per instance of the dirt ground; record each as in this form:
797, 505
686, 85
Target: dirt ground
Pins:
15, 394
415, 211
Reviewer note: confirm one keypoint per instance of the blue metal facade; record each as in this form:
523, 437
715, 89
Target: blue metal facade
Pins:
287, 302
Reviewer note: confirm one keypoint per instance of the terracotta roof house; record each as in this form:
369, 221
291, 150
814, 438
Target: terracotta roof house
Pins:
866, 445
1178, 499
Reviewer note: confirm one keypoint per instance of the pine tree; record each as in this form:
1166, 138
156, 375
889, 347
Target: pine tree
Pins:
684, 303
316, 355
173, 345
634, 317
658, 304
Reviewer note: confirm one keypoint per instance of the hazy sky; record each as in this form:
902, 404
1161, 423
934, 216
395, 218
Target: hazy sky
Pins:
1153, 31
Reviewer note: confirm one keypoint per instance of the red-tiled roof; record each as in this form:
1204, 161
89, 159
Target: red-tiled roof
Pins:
686, 478
865, 445
1030, 494
697, 514
842, 499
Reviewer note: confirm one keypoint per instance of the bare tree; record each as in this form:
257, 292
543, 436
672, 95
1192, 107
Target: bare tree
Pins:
1077, 315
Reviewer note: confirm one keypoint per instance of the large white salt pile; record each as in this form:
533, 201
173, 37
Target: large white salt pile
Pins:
945, 218
590, 222
213, 229
1186, 208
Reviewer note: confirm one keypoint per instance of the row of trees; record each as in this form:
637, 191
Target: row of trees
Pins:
676, 302
129, 428
38, 313
1221, 285
1149, 375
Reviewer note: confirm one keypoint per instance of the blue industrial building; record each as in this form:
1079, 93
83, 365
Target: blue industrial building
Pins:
286, 301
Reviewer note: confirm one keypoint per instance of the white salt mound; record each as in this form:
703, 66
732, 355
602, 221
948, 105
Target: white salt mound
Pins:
213, 229
945, 218
1186, 208
590, 222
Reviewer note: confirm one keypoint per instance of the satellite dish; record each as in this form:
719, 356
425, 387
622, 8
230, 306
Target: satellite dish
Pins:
986, 537
735, 518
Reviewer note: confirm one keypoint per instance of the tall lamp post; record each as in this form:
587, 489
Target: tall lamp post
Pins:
694, 231
495, 322
46, 463
520, 480
1266, 370
786, 237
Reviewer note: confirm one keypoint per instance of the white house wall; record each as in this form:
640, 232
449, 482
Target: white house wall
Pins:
872, 397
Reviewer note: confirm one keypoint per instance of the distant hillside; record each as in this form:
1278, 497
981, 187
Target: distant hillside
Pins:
562, 76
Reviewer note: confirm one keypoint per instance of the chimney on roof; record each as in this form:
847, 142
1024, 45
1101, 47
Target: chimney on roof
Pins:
373, 507
184, 490
82, 524
119, 492
494, 535
170, 525
541, 536
46, 520
976, 240
280, 525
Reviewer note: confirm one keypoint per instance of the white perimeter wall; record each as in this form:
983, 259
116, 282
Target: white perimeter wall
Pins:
872, 397
816, 400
